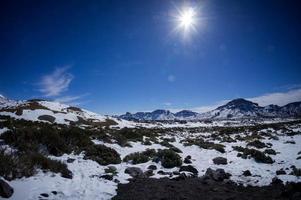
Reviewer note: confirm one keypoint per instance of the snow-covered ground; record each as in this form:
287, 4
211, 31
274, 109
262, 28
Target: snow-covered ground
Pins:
86, 183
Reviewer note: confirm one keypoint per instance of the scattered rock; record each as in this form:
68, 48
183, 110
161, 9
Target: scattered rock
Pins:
220, 161
189, 168
217, 175
44, 195
54, 192
111, 170
164, 173
107, 177
290, 142
176, 173
270, 151
187, 160
258, 144
247, 173
280, 172
134, 172
70, 160
6, 190
152, 167
276, 181
296, 171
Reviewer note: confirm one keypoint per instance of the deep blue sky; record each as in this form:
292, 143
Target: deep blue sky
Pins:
122, 55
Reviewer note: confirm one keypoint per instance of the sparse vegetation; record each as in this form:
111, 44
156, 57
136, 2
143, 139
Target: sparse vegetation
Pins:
140, 157
257, 155
102, 154
20, 165
169, 158
204, 144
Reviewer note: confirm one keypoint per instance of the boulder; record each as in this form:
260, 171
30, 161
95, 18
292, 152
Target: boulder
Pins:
217, 175
280, 172
276, 181
220, 161
6, 190
189, 168
247, 173
187, 160
70, 160
107, 177
152, 167
134, 172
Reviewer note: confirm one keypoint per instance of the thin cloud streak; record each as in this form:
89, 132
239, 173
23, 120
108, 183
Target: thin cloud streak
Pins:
54, 84
277, 98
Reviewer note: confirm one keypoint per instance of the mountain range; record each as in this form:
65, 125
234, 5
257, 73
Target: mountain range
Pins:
55, 112
235, 109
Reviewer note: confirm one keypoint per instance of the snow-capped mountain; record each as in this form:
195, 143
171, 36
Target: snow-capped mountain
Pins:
241, 108
149, 116
53, 112
186, 114
158, 115
291, 109
235, 109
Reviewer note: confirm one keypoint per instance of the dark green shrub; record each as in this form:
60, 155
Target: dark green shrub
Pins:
14, 166
102, 154
169, 158
256, 143
204, 144
140, 157
259, 156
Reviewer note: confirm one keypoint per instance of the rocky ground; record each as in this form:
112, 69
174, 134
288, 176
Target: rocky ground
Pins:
203, 189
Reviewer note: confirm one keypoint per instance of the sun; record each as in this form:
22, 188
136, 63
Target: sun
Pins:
187, 21
187, 18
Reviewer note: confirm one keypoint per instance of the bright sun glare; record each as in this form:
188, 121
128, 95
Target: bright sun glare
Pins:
187, 18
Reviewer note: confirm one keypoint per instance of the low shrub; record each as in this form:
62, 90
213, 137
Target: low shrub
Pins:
205, 144
258, 144
102, 155
140, 157
258, 156
169, 158
14, 166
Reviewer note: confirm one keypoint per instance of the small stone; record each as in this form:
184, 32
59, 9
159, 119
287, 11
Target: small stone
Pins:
189, 168
44, 195
247, 173
220, 161
6, 190
134, 172
107, 177
280, 172
152, 167
70, 160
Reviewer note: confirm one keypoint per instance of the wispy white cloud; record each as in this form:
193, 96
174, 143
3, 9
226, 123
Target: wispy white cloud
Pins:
206, 108
278, 98
72, 100
167, 103
54, 84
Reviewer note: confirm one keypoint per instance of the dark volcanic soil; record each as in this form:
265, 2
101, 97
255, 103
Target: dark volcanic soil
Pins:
199, 189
